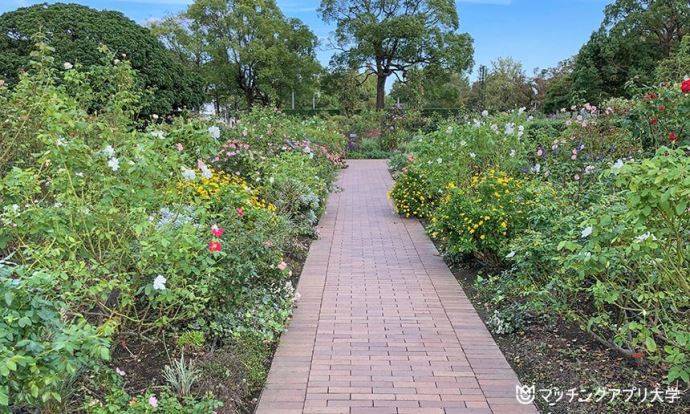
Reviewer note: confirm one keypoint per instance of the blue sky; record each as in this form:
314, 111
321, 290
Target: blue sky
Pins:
538, 33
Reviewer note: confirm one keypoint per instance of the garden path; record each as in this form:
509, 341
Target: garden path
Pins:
382, 326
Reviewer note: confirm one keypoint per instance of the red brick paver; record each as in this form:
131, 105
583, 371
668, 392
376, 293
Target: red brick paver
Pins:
382, 326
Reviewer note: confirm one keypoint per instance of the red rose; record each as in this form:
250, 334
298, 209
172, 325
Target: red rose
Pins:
685, 86
673, 137
214, 246
650, 96
637, 355
662, 107
216, 230
653, 121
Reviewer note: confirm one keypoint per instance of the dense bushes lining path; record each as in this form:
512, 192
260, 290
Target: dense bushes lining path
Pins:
382, 326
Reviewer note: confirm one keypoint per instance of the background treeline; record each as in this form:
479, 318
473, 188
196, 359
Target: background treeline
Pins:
237, 54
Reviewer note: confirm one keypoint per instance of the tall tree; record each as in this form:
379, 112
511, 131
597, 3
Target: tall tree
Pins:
635, 36
77, 32
247, 48
389, 37
505, 87
430, 88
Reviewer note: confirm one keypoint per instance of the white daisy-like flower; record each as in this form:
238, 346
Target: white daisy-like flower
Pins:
509, 129
67, 65
188, 174
586, 232
473, 155
120, 372
589, 169
494, 128
536, 168
159, 282
439, 160
114, 164
214, 131
485, 113
512, 153
510, 255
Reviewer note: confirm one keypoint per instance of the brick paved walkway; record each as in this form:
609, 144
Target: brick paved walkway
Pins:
382, 326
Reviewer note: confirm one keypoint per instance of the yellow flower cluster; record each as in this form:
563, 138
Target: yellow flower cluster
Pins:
208, 188
409, 197
495, 185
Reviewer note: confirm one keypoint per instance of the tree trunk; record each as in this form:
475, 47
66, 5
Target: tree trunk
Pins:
249, 97
380, 92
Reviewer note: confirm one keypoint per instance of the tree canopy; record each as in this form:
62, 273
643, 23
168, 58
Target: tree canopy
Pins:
391, 37
635, 36
77, 34
247, 50
505, 87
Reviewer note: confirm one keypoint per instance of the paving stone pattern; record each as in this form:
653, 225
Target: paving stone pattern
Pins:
382, 326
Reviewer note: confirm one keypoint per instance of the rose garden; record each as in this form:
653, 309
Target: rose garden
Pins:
198, 216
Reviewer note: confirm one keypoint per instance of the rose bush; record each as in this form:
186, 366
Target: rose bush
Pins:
142, 231
583, 215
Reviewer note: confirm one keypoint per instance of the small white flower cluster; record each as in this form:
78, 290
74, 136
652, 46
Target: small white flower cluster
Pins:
113, 162
188, 174
214, 131
159, 282
158, 134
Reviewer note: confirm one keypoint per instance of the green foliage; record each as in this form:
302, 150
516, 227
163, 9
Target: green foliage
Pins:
254, 354
386, 37
662, 117
480, 217
584, 216
677, 66
138, 228
77, 34
39, 347
268, 54
504, 88
191, 339
117, 400
635, 38
634, 265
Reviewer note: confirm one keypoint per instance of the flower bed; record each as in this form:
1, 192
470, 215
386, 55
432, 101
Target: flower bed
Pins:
584, 215
122, 241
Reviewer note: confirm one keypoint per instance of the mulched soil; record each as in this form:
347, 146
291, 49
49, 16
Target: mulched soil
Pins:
559, 355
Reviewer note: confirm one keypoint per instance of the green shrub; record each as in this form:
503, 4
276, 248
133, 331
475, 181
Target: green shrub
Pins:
412, 196
143, 230
589, 234
632, 262
39, 347
78, 33
481, 217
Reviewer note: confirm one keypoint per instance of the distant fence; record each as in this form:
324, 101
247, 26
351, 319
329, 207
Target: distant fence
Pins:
443, 112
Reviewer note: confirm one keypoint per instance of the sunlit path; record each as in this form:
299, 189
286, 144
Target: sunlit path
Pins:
382, 326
